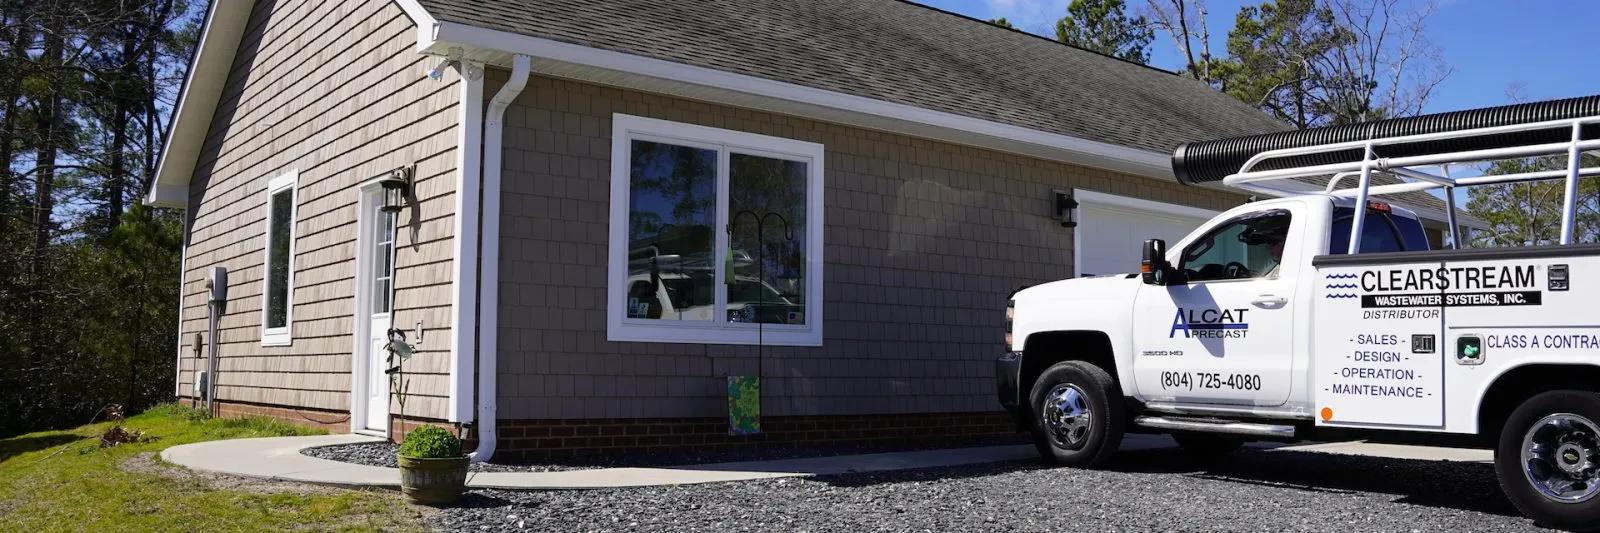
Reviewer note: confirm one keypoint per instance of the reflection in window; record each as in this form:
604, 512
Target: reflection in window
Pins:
767, 206
720, 233
1250, 247
672, 208
278, 259
1377, 233
383, 277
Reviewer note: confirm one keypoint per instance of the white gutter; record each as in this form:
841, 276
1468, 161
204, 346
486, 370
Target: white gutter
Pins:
463, 269
489, 297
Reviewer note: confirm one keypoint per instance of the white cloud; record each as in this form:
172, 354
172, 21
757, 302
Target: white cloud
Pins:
1035, 16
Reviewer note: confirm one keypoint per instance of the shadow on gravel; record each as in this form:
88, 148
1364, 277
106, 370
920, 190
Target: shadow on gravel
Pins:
476, 499
1444, 484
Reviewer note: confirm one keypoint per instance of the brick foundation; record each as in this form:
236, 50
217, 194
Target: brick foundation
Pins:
527, 440
332, 421
544, 439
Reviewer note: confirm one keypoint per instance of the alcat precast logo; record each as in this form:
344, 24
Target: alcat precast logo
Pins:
1210, 324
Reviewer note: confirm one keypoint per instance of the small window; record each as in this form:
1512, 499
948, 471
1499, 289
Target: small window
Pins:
278, 274
716, 236
1378, 233
1243, 248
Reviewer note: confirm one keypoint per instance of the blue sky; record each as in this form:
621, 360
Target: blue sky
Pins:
1492, 44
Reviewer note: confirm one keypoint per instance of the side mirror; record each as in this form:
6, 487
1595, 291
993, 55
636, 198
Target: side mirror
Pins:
1154, 267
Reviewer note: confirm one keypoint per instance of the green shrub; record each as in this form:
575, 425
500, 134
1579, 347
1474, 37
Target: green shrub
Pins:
431, 442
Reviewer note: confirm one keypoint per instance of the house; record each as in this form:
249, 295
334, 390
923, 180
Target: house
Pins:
558, 249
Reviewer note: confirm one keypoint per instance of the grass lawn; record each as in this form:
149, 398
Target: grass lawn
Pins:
64, 481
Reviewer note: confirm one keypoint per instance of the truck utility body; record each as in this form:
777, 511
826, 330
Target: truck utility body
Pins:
1324, 314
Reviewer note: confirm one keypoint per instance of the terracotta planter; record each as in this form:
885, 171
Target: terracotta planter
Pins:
433, 481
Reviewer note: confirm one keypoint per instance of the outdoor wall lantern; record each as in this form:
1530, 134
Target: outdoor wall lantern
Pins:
1066, 208
397, 188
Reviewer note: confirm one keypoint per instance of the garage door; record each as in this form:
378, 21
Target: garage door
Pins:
1112, 229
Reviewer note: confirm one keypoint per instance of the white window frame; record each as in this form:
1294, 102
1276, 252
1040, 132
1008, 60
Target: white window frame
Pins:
626, 129
278, 336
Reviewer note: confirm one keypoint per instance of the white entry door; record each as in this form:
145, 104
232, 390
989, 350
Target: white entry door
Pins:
379, 280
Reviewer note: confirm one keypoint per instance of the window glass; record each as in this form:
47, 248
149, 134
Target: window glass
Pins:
1250, 247
721, 236
672, 208
278, 260
383, 277
1411, 233
767, 206
1377, 233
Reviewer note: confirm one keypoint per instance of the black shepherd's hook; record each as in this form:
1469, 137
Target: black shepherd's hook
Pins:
761, 277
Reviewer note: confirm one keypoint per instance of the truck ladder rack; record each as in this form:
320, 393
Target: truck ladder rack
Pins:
1264, 181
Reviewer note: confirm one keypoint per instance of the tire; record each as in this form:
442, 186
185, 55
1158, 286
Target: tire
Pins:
1205, 447
1086, 443
1547, 418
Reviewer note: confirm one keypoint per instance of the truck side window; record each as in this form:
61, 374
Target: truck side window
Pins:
1247, 247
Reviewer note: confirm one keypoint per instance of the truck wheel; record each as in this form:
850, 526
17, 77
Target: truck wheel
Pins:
1206, 447
1078, 415
1548, 459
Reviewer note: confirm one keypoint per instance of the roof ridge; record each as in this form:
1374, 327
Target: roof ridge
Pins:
1040, 37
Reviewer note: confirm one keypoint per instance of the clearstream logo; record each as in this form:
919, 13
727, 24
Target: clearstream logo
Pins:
1210, 324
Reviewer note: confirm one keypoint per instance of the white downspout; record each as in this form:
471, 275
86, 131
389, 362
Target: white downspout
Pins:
489, 296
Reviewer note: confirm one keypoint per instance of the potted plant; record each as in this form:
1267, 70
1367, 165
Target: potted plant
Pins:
432, 468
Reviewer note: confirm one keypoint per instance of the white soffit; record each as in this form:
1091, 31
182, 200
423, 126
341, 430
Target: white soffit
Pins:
197, 101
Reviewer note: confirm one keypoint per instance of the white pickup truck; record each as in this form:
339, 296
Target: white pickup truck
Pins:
1325, 316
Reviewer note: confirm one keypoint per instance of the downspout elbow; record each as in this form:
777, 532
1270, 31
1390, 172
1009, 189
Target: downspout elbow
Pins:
489, 230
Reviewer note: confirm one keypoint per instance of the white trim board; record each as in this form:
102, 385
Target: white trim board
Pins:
464, 264
1127, 204
1087, 196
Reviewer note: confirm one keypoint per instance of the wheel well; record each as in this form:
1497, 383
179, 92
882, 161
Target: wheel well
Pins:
1045, 349
1512, 388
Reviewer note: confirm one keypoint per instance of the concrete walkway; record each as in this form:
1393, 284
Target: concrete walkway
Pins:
279, 458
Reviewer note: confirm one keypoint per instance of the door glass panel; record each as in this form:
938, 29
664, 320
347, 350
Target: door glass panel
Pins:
1246, 248
383, 273
672, 208
767, 211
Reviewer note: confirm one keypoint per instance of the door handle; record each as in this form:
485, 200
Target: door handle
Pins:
1268, 301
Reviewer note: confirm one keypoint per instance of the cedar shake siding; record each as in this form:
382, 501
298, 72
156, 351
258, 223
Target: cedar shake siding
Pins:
923, 241
336, 92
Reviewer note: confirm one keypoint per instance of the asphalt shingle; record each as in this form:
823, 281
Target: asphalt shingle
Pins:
893, 51
899, 52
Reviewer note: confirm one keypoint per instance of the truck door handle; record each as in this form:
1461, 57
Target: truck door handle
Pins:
1268, 301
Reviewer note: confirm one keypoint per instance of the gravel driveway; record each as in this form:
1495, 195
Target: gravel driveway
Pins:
1156, 490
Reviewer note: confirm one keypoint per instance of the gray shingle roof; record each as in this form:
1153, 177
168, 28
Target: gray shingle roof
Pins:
893, 51
898, 52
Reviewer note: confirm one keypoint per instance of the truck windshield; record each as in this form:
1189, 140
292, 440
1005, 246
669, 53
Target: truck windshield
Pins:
1382, 232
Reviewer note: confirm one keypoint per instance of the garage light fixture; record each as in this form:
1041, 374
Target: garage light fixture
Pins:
1066, 208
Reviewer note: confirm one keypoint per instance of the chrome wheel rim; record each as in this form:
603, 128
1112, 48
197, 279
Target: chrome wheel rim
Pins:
1561, 457
1067, 416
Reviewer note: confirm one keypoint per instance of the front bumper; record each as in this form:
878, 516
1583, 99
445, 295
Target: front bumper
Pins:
1006, 370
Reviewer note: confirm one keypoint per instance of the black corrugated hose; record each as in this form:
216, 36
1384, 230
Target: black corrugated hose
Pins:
1210, 161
